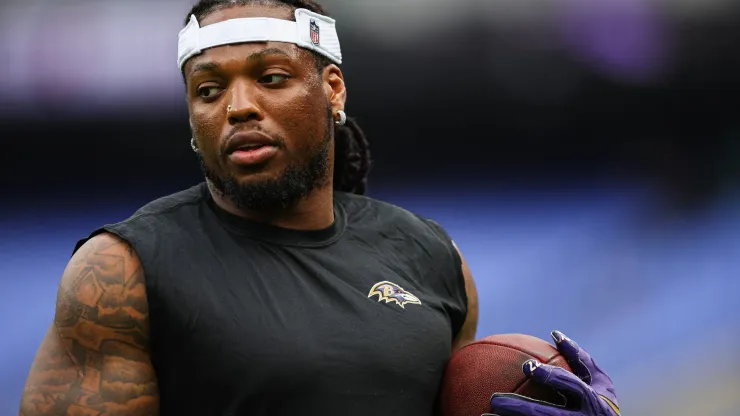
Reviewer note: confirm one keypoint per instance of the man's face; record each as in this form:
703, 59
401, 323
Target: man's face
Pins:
261, 115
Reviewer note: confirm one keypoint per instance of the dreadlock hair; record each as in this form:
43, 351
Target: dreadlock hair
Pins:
352, 159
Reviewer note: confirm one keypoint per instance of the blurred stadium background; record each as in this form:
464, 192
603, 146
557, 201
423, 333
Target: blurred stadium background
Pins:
584, 155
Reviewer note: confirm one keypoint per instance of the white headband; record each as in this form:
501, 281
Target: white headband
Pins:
310, 31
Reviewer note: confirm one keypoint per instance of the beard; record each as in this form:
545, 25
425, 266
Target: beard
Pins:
294, 183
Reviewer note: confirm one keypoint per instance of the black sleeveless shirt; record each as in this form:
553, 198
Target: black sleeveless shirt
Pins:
251, 319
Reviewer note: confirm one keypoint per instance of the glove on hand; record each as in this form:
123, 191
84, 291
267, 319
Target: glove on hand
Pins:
588, 390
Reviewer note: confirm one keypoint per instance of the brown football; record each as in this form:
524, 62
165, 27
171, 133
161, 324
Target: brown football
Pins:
494, 365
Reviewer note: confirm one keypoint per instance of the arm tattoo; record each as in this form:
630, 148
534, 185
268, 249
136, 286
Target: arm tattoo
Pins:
95, 359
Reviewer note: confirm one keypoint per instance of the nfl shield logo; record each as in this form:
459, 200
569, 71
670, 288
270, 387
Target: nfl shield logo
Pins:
314, 32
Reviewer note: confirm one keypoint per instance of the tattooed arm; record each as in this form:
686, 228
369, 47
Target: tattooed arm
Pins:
94, 361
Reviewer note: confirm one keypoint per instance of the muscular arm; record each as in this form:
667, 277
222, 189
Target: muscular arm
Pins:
467, 333
94, 360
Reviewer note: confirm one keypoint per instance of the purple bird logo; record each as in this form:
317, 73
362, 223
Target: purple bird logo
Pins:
391, 292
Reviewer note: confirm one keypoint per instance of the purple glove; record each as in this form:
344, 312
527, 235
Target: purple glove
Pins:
590, 392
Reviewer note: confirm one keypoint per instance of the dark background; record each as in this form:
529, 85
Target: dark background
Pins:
434, 113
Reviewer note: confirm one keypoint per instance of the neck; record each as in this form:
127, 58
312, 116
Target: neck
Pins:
314, 212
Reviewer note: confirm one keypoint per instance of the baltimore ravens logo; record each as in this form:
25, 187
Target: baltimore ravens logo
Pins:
391, 292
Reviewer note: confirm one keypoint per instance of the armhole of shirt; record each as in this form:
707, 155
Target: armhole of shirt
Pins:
456, 281
143, 249
109, 229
